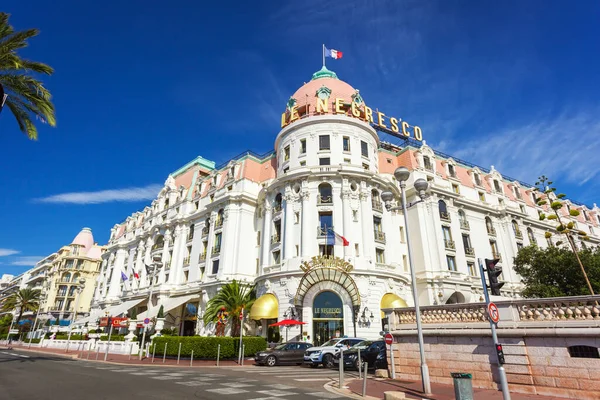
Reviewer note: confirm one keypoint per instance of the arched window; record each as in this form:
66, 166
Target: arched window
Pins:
278, 201
516, 229
66, 277
159, 243
531, 236
72, 291
489, 226
375, 200
464, 224
75, 278
325, 195
220, 215
443, 210
62, 290
191, 234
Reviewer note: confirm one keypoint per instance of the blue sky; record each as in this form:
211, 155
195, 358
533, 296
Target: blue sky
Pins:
142, 87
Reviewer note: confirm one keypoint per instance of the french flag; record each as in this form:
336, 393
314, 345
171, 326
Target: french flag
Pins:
334, 238
333, 53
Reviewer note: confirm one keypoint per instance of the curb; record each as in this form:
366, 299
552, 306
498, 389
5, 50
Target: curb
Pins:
65, 355
330, 387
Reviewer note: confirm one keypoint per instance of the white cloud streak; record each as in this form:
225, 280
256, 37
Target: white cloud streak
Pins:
8, 252
104, 196
27, 261
564, 146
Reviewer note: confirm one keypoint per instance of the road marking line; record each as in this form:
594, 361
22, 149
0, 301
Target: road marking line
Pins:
18, 355
314, 379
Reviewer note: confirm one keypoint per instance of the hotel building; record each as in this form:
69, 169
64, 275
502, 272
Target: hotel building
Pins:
269, 219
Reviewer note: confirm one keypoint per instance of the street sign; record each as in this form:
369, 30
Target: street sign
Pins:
120, 322
146, 321
493, 312
13, 332
389, 339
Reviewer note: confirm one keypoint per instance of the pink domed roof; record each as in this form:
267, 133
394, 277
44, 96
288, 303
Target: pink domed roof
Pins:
95, 252
84, 238
324, 79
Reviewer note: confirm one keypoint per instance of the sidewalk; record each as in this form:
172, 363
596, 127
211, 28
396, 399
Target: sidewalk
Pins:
133, 360
412, 390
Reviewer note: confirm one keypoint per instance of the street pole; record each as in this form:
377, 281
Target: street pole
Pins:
33, 329
241, 334
79, 290
11, 326
424, 368
501, 371
148, 312
108, 342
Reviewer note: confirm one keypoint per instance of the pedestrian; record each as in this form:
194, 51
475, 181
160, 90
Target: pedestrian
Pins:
308, 339
9, 342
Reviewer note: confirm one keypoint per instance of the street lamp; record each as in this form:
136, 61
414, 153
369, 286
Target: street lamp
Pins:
402, 174
152, 270
79, 288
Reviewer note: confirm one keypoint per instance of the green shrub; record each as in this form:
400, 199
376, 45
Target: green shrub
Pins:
206, 347
34, 341
65, 336
113, 338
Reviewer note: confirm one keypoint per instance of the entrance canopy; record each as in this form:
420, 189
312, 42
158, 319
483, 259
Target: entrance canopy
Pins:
116, 310
265, 307
168, 304
391, 300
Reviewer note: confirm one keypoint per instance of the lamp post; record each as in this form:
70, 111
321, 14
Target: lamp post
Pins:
402, 174
152, 269
79, 288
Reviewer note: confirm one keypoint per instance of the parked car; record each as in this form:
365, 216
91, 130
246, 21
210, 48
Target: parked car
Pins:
286, 353
372, 352
325, 354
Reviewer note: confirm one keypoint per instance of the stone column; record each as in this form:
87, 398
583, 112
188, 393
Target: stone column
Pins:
366, 222
288, 226
227, 233
266, 235
308, 231
115, 282
165, 257
346, 219
177, 259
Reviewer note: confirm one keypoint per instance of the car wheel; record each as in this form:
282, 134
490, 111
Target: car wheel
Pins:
271, 361
328, 361
313, 365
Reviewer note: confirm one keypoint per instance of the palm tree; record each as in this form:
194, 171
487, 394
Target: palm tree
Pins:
23, 300
233, 297
27, 97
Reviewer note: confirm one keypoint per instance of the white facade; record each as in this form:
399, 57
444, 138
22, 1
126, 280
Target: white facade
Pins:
259, 218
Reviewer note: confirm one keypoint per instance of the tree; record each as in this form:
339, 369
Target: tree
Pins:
27, 99
555, 271
233, 297
567, 229
22, 301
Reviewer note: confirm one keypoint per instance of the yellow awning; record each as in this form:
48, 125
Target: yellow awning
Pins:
265, 307
391, 300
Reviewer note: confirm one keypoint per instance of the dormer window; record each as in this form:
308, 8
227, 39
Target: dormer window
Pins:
357, 98
451, 171
586, 216
517, 193
427, 163
286, 153
323, 92
166, 203
497, 187
534, 197
291, 103
215, 180
477, 179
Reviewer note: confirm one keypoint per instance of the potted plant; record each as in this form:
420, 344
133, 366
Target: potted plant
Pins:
132, 325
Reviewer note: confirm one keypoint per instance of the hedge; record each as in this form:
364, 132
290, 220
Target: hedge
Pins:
65, 336
34, 340
116, 338
206, 347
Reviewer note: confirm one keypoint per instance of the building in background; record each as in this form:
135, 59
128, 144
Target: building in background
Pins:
306, 224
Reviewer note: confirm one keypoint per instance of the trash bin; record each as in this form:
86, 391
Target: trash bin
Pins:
463, 388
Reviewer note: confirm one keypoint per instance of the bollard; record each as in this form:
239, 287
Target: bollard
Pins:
153, 351
364, 392
97, 351
130, 349
392, 361
178, 353
192, 359
218, 354
341, 383
243, 353
359, 366
165, 353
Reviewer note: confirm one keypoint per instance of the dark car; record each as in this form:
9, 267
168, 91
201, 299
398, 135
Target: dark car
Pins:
286, 353
371, 351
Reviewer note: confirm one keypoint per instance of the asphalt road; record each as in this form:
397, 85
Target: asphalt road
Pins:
36, 376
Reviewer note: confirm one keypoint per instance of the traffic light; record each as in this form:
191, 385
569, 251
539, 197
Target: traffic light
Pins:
493, 273
500, 353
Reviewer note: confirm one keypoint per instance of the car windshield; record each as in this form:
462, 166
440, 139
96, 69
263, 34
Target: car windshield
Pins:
362, 345
331, 342
281, 346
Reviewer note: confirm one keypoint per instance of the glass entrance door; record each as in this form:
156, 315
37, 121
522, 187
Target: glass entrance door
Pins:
328, 317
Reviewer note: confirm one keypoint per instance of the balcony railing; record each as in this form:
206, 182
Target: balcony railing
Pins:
186, 261
205, 230
428, 167
324, 231
190, 236
324, 199
376, 205
216, 250
464, 224
202, 256
491, 231
469, 252
379, 236
277, 207
219, 223
449, 244
275, 239
444, 216
518, 235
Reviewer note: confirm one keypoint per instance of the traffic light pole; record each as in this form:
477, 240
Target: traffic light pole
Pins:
501, 371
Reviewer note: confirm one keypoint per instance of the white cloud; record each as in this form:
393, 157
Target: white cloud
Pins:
104, 196
8, 252
27, 261
564, 146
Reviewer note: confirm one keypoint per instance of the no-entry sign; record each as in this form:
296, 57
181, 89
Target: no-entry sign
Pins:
493, 312
146, 321
389, 339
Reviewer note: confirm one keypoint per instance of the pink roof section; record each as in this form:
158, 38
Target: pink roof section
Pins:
95, 252
339, 89
84, 238
260, 172
185, 179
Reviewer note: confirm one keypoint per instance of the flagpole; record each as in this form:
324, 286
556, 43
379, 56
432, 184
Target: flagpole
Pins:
323, 55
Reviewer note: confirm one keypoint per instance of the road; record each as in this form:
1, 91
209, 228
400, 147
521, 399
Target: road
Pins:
36, 376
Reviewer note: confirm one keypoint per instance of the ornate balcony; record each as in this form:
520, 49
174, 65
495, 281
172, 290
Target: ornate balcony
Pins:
277, 207
216, 250
518, 234
449, 244
497, 256
186, 261
379, 236
202, 257
219, 223
376, 205
324, 199
275, 239
444, 216
205, 231
321, 232
464, 224
469, 252
491, 231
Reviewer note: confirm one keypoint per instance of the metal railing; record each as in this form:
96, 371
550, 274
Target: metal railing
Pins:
445, 216
219, 223
518, 234
216, 250
321, 232
449, 244
205, 230
202, 256
377, 205
469, 252
275, 239
491, 230
464, 224
379, 236
186, 261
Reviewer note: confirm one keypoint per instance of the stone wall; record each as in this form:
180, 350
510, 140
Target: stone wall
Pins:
534, 365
